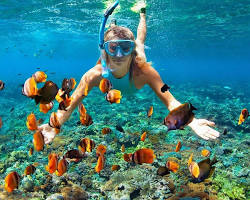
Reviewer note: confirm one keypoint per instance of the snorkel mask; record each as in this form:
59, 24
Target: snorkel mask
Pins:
109, 11
119, 48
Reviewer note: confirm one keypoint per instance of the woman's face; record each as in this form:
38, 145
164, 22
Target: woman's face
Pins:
118, 60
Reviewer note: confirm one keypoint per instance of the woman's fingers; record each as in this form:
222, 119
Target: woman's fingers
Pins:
211, 133
215, 133
209, 123
203, 135
206, 122
208, 133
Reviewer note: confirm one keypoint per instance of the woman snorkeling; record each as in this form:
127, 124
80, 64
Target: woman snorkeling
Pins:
124, 56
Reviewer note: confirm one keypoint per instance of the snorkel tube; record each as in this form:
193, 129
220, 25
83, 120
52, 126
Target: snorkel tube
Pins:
109, 11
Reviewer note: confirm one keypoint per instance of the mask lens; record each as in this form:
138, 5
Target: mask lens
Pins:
125, 47
112, 46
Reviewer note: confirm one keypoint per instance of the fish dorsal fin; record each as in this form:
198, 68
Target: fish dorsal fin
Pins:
191, 107
207, 161
190, 159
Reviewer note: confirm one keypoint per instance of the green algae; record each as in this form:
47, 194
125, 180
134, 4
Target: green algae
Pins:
228, 189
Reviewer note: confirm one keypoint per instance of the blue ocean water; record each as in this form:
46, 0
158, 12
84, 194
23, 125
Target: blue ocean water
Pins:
206, 40
200, 48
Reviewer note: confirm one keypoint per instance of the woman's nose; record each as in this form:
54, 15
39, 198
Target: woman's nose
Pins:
119, 53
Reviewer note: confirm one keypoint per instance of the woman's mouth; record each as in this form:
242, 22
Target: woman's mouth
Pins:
118, 60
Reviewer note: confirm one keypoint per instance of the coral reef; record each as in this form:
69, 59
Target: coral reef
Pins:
229, 181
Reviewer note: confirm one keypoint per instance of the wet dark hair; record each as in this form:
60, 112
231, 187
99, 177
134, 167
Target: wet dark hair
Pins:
120, 32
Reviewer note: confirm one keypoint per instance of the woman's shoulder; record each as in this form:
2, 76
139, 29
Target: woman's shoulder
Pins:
143, 66
145, 72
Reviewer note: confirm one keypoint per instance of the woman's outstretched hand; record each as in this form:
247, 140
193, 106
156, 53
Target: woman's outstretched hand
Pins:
202, 128
48, 133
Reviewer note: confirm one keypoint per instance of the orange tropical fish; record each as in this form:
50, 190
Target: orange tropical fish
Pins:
205, 152
143, 136
243, 116
68, 85
59, 95
106, 130
65, 103
101, 149
12, 181
128, 157
86, 120
62, 167
73, 83
100, 164
82, 110
172, 166
29, 170
86, 144
31, 151
115, 167
150, 111
105, 85
40, 76
52, 164
30, 88
54, 122
123, 148
140, 156
113, 96
38, 140
179, 117
31, 122
190, 159
44, 108
202, 170
74, 155
47, 93
194, 169
178, 146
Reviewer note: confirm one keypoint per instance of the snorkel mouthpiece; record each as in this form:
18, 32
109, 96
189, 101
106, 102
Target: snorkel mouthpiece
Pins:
109, 11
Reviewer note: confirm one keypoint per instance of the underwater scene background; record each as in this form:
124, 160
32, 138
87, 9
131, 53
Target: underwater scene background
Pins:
201, 50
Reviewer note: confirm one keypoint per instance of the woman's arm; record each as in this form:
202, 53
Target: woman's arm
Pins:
154, 81
142, 29
199, 126
141, 36
90, 79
